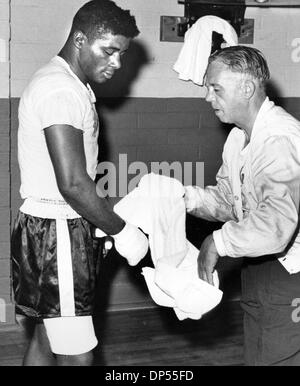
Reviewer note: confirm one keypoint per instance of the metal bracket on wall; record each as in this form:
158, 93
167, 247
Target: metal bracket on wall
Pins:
247, 32
248, 3
173, 28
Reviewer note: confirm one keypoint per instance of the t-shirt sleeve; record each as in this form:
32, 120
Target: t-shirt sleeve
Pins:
61, 107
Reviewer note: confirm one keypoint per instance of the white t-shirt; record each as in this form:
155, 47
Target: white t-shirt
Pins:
55, 95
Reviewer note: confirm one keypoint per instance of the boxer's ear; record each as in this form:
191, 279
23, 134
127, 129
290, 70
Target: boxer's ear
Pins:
79, 39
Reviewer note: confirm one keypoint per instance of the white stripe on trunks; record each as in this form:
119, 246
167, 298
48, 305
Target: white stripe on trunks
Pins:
64, 269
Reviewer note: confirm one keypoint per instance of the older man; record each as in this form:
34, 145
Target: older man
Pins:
257, 196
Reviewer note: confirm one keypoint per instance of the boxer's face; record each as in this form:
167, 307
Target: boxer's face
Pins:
101, 58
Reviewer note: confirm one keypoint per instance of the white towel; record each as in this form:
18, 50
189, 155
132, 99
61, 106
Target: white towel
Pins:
193, 57
181, 287
157, 207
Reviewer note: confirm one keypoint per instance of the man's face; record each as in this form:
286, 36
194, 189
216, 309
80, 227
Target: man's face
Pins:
100, 59
224, 92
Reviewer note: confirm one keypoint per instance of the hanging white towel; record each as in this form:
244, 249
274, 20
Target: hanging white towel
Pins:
193, 57
157, 207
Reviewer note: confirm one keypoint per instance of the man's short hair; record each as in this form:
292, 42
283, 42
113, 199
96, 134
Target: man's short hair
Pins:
98, 17
245, 60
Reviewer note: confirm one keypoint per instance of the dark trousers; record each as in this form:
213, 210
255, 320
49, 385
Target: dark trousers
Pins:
270, 296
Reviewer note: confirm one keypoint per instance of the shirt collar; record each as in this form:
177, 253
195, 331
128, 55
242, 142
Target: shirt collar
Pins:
260, 118
86, 87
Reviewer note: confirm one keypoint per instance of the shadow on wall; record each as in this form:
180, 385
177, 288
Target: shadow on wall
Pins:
273, 91
114, 93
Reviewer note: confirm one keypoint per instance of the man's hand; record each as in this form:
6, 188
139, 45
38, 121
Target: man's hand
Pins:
131, 243
207, 259
191, 198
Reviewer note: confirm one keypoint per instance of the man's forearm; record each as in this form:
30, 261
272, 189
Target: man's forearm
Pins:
208, 203
82, 197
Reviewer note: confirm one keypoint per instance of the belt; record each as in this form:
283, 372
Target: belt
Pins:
48, 208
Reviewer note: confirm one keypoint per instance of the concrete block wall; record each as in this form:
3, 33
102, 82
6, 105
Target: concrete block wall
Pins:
39, 29
4, 49
161, 130
6, 306
168, 129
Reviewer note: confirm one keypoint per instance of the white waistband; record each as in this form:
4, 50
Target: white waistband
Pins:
51, 209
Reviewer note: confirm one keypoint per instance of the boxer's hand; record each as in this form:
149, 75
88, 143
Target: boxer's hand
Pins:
191, 198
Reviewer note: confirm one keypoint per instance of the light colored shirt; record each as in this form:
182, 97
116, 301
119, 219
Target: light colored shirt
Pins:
261, 211
54, 96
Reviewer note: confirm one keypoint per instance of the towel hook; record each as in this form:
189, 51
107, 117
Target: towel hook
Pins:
232, 11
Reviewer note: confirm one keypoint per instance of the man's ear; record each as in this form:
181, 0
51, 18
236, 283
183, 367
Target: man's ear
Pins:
249, 88
79, 38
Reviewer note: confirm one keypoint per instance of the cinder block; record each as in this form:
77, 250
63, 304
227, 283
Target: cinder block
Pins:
4, 196
183, 136
4, 125
14, 142
291, 105
4, 87
32, 52
8, 315
15, 205
132, 105
28, 3
39, 22
4, 224
4, 215
118, 161
4, 267
4, 107
6, 298
120, 120
25, 70
5, 249
4, 30
169, 153
14, 102
165, 6
18, 86
136, 137
4, 163
119, 152
208, 118
4, 110
15, 177
4, 143
184, 105
15, 186
168, 120
4, 11
4, 286
164, 69
4, 177
151, 105
4, 180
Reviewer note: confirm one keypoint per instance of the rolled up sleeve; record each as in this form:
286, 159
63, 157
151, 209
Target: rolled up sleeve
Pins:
213, 203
